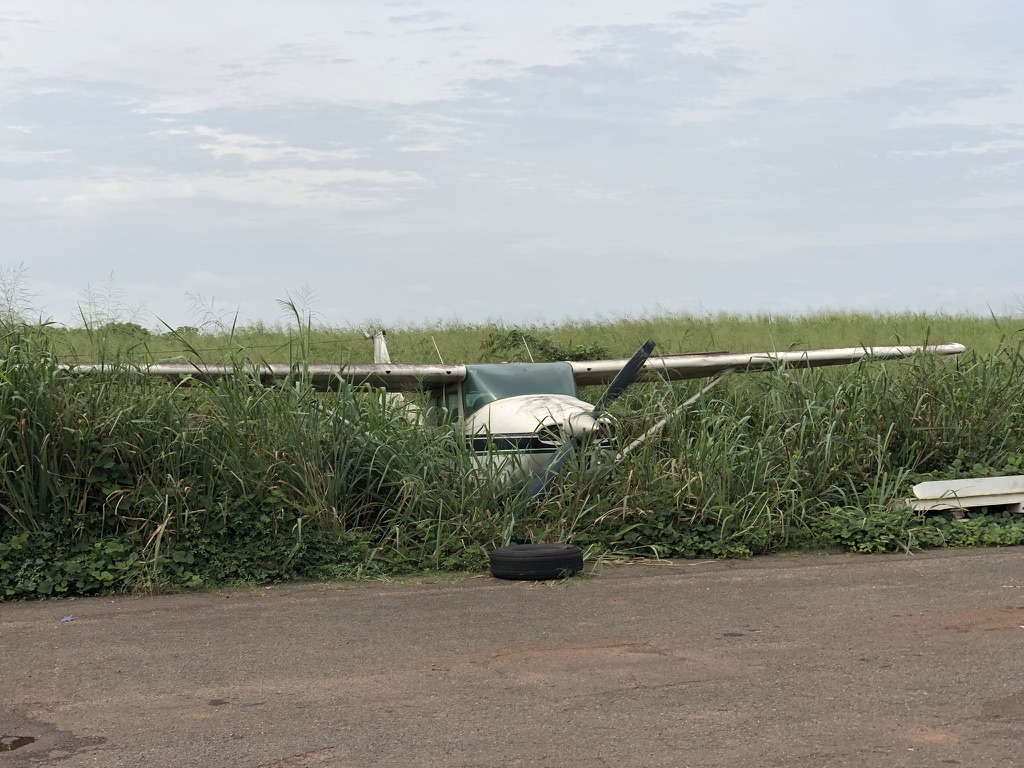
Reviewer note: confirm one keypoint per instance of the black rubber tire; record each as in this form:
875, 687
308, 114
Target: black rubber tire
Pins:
536, 561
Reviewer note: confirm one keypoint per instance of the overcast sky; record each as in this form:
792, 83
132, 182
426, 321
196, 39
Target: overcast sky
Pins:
411, 162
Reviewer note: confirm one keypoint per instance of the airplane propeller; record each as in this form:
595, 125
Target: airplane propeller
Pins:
542, 480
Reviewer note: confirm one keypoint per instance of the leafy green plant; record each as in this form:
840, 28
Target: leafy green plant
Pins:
516, 344
119, 482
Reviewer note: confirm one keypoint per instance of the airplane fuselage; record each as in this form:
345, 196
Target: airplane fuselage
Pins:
523, 418
517, 415
523, 432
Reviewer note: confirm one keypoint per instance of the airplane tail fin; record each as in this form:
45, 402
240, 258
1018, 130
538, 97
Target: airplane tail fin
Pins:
380, 346
382, 355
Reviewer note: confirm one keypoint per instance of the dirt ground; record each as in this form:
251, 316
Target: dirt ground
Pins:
785, 661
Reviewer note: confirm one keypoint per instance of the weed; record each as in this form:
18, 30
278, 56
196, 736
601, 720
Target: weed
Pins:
120, 483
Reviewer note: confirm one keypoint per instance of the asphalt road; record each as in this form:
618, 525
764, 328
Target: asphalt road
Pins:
784, 661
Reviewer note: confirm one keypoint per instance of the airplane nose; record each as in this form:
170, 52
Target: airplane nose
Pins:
550, 434
581, 425
575, 427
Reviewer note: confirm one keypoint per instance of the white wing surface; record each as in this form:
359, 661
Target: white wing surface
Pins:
406, 378
675, 367
322, 376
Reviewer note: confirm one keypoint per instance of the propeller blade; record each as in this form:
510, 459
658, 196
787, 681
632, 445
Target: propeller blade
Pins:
625, 377
540, 482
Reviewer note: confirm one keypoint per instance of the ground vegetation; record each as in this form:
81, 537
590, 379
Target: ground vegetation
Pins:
123, 483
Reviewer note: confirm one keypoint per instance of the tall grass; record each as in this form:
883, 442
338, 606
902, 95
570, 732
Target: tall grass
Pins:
767, 458
122, 482
469, 343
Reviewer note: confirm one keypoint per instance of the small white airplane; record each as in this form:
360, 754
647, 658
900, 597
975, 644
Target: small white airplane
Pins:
529, 416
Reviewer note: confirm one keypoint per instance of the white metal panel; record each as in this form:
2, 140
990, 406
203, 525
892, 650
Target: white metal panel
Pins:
675, 367
409, 377
969, 493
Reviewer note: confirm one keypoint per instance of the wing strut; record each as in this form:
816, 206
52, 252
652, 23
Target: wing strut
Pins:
653, 431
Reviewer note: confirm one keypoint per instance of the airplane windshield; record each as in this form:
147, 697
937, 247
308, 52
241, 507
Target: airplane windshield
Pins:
486, 383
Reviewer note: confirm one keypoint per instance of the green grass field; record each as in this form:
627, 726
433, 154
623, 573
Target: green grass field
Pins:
468, 343
124, 483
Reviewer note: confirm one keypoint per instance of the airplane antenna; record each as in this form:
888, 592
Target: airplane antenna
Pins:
526, 344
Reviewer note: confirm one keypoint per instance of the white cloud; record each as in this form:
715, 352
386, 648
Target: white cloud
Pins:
258, 149
993, 146
427, 132
29, 157
716, 144
286, 188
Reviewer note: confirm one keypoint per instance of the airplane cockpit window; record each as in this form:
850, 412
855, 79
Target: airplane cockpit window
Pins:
443, 405
486, 383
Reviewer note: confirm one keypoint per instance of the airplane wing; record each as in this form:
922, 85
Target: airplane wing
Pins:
397, 377
322, 376
677, 367
392, 377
